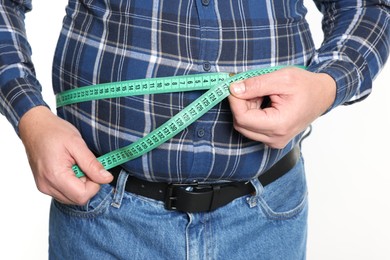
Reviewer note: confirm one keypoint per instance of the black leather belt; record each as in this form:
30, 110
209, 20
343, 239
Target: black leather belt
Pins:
199, 197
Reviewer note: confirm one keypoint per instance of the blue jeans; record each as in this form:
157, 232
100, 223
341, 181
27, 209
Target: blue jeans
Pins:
272, 224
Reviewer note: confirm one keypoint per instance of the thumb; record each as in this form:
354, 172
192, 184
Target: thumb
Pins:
238, 89
260, 86
91, 167
249, 88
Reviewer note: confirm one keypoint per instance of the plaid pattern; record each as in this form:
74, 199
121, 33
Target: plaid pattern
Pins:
114, 40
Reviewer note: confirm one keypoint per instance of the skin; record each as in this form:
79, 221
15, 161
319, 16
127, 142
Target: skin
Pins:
53, 145
297, 96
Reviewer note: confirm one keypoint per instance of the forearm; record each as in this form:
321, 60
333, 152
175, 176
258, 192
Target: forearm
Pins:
356, 45
19, 89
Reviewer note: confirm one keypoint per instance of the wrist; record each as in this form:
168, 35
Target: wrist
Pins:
32, 120
328, 90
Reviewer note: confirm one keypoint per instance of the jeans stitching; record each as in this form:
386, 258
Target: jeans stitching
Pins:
285, 214
99, 210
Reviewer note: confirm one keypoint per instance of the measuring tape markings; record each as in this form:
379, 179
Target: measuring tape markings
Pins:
217, 83
140, 87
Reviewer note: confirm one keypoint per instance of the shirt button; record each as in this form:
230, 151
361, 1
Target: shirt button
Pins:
201, 132
206, 66
205, 2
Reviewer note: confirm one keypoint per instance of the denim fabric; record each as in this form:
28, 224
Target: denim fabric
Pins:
119, 225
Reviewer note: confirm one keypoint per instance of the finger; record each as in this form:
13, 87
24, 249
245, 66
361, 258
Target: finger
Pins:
68, 190
241, 106
277, 142
264, 121
237, 106
55, 194
253, 87
88, 163
253, 135
250, 115
277, 82
72, 190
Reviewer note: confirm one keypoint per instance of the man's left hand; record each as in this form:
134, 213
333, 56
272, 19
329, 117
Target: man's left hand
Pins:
296, 97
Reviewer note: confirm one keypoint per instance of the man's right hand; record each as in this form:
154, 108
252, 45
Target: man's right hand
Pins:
53, 146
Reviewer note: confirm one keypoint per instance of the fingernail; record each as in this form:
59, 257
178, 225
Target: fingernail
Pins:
238, 88
105, 172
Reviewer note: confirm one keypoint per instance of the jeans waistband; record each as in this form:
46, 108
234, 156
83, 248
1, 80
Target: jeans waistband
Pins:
200, 197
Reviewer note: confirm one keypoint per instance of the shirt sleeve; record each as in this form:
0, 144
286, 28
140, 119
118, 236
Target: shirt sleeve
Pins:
19, 88
355, 47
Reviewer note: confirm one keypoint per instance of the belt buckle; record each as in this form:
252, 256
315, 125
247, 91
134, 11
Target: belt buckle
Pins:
171, 198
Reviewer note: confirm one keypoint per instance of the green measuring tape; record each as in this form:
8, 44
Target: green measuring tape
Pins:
218, 89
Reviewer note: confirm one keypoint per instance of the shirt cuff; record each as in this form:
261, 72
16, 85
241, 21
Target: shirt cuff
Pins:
18, 96
352, 77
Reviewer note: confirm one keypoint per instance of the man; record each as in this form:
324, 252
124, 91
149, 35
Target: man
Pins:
237, 141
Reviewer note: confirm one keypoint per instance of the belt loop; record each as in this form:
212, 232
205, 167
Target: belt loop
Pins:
215, 198
259, 189
119, 189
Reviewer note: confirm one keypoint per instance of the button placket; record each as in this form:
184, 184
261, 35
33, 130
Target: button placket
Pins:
205, 2
201, 132
209, 35
206, 66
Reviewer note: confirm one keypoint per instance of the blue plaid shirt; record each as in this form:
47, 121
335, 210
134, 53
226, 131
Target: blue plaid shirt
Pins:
108, 41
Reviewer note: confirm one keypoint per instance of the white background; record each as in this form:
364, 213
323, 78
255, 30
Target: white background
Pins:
347, 162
